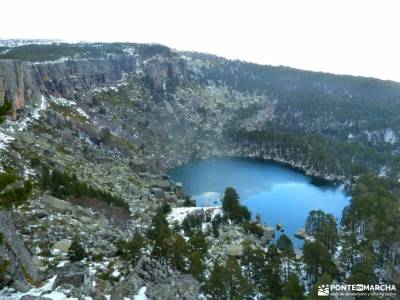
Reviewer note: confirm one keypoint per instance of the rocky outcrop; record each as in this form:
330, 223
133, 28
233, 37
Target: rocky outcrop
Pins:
161, 282
18, 84
165, 71
21, 266
63, 78
300, 234
23, 82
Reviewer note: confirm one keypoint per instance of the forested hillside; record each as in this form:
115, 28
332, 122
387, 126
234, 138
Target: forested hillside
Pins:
89, 131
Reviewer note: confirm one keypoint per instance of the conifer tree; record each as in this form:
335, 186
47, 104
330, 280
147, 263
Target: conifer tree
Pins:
76, 252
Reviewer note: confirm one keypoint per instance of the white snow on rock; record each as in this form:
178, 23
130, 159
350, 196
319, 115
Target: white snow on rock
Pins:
115, 274
82, 113
62, 263
23, 123
390, 136
45, 290
141, 295
69, 103
60, 60
178, 214
62, 101
383, 171
5, 140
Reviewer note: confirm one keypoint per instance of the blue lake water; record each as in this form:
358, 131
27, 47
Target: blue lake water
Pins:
278, 193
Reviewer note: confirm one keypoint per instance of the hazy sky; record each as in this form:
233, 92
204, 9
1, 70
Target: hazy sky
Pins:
359, 37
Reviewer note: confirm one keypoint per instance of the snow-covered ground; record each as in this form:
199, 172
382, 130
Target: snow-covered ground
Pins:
178, 214
390, 136
141, 295
69, 103
45, 291
5, 140
23, 123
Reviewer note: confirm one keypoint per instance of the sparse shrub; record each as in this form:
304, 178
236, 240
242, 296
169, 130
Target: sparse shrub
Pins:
252, 227
15, 195
62, 185
131, 250
4, 110
76, 251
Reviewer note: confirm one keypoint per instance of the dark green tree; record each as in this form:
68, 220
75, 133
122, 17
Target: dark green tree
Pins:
285, 248
232, 208
197, 267
215, 286
318, 261
323, 227
76, 252
177, 252
293, 289
159, 232
272, 273
198, 242
131, 249
253, 261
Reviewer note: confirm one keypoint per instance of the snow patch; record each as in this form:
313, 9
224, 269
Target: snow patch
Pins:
115, 274
62, 263
82, 113
141, 295
34, 115
5, 140
63, 101
390, 136
178, 214
69, 103
45, 290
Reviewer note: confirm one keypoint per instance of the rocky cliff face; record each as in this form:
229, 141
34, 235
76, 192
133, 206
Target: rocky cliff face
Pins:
21, 265
19, 83
23, 82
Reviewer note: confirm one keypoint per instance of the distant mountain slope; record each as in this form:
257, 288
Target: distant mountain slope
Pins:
352, 113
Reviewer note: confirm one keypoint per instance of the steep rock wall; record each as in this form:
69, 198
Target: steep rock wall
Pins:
23, 82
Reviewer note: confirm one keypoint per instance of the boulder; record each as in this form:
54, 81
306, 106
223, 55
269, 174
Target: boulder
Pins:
179, 190
74, 279
62, 245
40, 213
85, 219
300, 233
57, 204
269, 232
157, 192
15, 252
234, 250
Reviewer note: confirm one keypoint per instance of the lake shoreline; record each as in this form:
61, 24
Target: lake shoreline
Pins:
280, 193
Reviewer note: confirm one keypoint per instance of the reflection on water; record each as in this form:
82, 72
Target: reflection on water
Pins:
278, 193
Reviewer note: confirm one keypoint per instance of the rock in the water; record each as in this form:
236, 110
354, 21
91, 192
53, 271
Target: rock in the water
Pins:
300, 233
269, 232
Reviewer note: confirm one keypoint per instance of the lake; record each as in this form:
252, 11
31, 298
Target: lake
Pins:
280, 194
